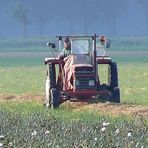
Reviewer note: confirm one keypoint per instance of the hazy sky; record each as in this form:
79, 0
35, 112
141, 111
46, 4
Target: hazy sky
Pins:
131, 22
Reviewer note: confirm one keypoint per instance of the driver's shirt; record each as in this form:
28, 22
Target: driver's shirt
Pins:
65, 52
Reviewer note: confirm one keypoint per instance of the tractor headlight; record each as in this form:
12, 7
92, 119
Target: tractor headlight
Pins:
91, 82
77, 82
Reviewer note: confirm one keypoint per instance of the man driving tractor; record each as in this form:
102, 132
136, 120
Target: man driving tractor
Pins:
65, 55
75, 72
66, 50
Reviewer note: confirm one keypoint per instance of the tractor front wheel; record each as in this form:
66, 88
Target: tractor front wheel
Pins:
49, 84
55, 101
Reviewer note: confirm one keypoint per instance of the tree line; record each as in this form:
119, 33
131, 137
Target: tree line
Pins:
72, 12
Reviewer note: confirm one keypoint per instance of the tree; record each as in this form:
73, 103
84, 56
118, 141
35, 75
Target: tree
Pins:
144, 4
110, 12
79, 12
91, 12
20, 13
40, 14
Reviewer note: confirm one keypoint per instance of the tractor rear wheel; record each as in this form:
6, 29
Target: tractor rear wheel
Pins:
113, 78
116, 95
55, 101
113, 83
47, 94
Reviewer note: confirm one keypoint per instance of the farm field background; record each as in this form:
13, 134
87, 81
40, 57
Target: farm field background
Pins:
22, 67
22, 77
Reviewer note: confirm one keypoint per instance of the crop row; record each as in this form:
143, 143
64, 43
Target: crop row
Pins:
45, 130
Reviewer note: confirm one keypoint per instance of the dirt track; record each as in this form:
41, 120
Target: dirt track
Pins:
103, 108
111, 109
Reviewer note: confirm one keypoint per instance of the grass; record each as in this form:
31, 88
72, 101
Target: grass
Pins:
30, 80
133, 81
22, 80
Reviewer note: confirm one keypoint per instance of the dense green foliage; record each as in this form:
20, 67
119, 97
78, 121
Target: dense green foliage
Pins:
133, 83
31, 79
30, 125
22, 80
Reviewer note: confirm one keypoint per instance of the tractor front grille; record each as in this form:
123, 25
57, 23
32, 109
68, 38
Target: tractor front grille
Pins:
84, 70
84, 83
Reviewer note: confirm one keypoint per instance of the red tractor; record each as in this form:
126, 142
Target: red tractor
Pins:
77, 76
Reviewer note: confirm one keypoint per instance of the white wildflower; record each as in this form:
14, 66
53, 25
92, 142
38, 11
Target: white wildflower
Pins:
1, 145
137, 145
117, 131
1, 137
103, 129
34, 133
96, 139
10, 144
132, 142
47, 132
105, 124
129, 134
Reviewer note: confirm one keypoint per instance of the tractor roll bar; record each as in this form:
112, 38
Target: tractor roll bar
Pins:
73, 36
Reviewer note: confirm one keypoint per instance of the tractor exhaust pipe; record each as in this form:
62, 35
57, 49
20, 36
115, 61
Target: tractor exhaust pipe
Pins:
60, 42
95, 55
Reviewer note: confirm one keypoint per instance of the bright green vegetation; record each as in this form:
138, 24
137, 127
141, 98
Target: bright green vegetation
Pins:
28, 124
133, 81
22, 80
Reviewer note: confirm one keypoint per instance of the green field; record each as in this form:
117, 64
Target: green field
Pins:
28, 124
30, 80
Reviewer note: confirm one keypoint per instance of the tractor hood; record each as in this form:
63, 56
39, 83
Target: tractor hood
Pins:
78, 64
74, 61
81, 59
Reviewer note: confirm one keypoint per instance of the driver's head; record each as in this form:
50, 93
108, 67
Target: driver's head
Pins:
67, 43
102, 39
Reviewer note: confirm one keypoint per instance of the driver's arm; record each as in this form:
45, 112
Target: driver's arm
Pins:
61, 54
